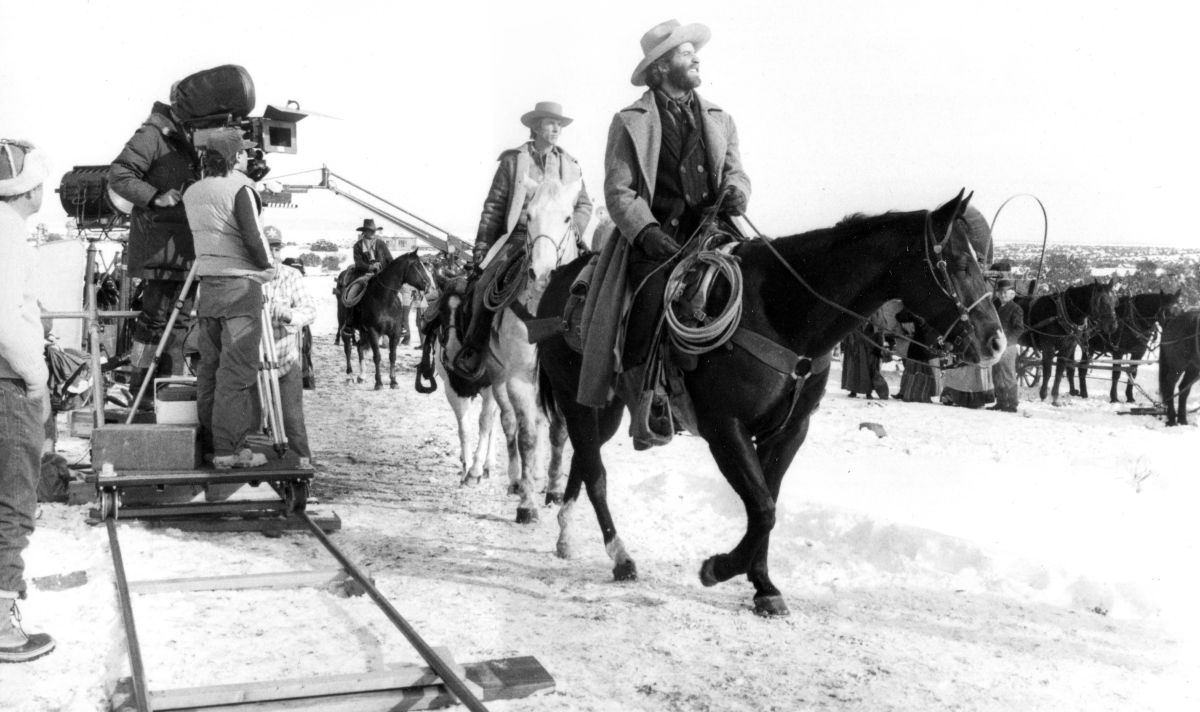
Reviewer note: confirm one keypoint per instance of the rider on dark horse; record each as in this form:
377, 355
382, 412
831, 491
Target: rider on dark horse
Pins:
502, 228
371, 256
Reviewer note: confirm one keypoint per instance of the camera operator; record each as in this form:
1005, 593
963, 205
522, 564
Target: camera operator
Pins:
153, 170
233, 262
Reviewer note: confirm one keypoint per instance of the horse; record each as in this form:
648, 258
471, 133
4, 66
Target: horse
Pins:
379, 313
801, 296
510, 366
512, 360
1139, 318
1179, 362
1057, 324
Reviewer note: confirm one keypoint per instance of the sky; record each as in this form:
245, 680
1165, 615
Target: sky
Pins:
841, 107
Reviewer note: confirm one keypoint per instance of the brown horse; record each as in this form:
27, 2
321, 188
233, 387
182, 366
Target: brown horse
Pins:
803, 294
1179, 363
380, 313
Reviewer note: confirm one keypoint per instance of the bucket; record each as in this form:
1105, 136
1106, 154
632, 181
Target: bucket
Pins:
175, 400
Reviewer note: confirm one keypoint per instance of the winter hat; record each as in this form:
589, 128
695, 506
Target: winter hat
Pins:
22, 167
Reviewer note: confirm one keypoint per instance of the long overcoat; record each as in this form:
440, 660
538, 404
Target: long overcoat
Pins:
630, 174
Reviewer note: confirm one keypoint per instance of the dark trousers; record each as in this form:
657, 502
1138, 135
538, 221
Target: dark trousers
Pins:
291, 396
646, 307
230, 332
158, 299
479, 323
20, 463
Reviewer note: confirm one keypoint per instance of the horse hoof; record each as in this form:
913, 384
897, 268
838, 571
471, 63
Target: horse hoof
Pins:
625, 571
394, 385
708, 574
469, 481
526, 516
770, 606
514, 489
358, 379
554, 498
379, 386
564, 550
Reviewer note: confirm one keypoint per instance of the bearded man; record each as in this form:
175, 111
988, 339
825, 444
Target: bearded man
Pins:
670, 155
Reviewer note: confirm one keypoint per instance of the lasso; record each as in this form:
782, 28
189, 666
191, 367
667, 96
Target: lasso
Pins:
711, 331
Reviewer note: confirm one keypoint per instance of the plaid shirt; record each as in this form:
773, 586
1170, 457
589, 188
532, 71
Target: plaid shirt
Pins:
287, 291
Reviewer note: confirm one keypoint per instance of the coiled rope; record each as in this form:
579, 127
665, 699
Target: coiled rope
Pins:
713, 332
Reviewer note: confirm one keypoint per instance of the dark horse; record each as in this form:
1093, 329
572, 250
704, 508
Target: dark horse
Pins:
379, 313
1179, 355
1138, 319
1057, 323
804, 293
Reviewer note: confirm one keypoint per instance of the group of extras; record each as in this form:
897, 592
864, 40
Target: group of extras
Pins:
894, 331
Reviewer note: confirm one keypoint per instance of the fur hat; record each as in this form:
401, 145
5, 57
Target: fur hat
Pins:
544, 110
664, 37
22, 167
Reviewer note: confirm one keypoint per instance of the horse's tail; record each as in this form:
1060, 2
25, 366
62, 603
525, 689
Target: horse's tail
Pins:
545, 392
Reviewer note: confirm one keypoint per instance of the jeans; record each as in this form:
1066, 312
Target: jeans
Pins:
230, 334
20, 462
291, 396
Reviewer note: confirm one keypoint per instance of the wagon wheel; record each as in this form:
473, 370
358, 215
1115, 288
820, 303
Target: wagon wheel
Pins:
1029, 366
295, 496
108, 504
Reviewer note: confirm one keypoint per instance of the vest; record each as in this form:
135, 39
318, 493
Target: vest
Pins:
682, 185
220, 249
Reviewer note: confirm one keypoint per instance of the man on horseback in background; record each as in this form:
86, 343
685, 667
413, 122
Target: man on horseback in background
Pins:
670, 155
502, 225
371, 256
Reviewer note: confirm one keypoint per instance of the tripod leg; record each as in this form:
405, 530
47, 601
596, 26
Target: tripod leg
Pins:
168, 330
269, 376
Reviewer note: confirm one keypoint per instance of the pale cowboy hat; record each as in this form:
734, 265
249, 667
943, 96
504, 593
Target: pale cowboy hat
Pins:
544, 110
663, 38
22, 167
369, 226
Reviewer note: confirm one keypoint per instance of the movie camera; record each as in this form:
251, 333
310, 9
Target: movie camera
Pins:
202, 103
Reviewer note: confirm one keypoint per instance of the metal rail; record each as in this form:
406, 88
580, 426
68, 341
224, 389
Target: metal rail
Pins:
449, 677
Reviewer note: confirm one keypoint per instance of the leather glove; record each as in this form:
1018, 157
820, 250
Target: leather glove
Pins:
657, 244
735, 201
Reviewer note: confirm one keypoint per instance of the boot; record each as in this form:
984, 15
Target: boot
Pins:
15, 645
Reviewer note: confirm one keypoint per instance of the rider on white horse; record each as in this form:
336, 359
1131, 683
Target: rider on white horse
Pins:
503, 224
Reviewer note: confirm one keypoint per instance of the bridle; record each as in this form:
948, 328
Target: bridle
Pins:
932, 248
941, 277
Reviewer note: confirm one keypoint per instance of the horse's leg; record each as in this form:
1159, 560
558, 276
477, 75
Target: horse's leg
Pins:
1185, 388
1130, 374
462, 408
1047, 360
393, 342
1060, 365
377, 357
589, 429
523, 397
558, 439
1084, 362
1167, 376
1117, 370
732, 447
485, 455
508, 422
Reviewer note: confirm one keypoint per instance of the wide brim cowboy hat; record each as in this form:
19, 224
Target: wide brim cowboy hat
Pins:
544, 110
663, 38
368, 226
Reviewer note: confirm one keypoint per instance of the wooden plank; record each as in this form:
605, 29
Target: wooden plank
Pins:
321, 578
500, 679
394, 678
266, 473
328, 521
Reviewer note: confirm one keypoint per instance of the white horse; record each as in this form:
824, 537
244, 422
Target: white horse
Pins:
475, 411
512, 360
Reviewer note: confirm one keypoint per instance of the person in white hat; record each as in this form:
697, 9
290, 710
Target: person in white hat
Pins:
502, 222
24, 397
233, 261
670, 155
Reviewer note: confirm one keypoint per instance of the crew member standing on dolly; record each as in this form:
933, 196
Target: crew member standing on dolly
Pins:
24, 396
232, 262
153, 170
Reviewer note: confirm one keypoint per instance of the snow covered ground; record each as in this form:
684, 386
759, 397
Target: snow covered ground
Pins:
969, 560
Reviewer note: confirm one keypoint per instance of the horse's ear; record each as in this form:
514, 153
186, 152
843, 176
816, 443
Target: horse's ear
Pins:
962, 206
950, 210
